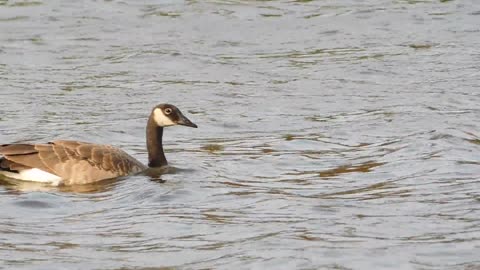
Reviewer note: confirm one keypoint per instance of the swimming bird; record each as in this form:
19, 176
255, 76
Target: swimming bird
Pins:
74, 162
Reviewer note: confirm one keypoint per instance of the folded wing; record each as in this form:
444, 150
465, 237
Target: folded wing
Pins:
75, 162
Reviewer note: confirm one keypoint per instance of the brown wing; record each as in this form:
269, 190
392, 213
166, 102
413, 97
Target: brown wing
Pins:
8, 165
75, 162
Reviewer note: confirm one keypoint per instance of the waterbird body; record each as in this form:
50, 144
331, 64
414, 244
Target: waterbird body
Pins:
74, 162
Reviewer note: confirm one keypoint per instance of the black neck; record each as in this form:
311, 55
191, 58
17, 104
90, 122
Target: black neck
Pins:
156, 156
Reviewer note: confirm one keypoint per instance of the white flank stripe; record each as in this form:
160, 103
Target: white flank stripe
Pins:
35, 175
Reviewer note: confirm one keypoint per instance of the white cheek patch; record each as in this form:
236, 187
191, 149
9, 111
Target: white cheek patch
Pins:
161, 119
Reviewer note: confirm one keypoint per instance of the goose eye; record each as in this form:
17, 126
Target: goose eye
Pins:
168, 111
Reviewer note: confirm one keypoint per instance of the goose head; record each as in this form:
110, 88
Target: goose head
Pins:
166, 115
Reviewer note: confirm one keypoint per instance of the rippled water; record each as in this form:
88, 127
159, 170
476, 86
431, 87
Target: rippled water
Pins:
333, 134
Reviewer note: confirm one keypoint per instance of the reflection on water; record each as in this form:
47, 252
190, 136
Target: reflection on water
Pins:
16, 186
365, 167
333, 135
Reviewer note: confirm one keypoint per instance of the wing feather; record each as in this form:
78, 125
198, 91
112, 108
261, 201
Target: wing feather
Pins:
76, 162
17, 149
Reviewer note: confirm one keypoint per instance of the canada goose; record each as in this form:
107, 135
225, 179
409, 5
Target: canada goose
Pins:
74, 162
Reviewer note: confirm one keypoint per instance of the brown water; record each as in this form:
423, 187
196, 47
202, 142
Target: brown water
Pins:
333, 134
